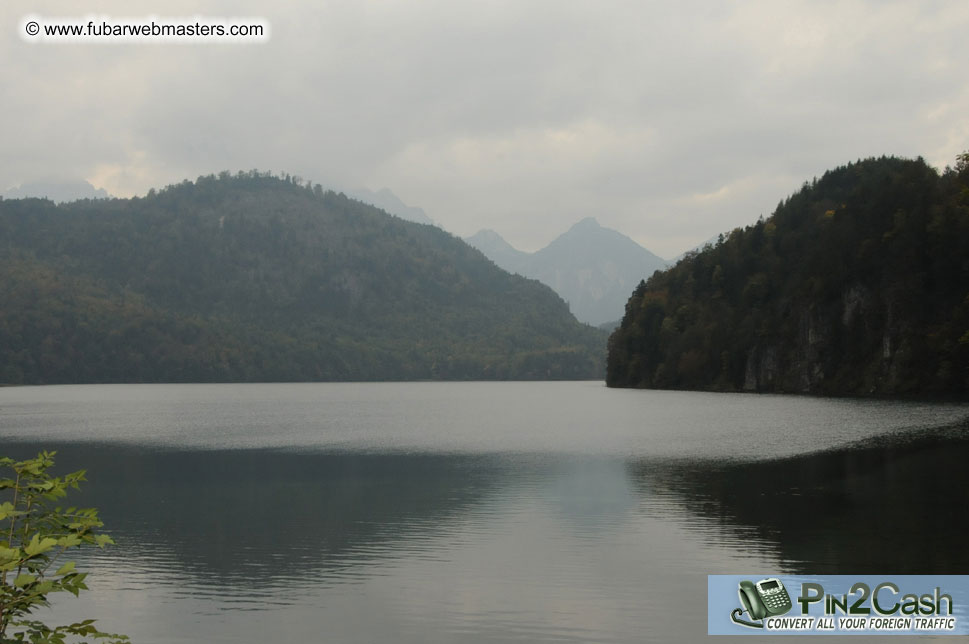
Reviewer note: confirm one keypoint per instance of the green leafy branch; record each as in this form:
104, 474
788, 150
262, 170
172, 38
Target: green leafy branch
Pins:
34, 535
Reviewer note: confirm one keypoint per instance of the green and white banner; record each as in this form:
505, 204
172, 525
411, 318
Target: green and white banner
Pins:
838, 604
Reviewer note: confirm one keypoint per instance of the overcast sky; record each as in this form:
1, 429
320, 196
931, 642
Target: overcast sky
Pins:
669, 121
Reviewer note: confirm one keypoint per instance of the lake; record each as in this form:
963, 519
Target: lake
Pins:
482, 512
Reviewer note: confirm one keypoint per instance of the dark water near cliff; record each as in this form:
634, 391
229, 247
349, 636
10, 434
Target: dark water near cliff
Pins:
482, 512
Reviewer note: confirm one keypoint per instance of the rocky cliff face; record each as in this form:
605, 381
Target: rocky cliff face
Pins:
810, 357
813, 358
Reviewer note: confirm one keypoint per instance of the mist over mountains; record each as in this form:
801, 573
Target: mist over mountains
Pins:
252, 277
390, 203
59, 191
593, 268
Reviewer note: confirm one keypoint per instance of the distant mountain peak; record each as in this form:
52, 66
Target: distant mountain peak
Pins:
592, 267
487, 233
589, 223
487, 236
390, 203
58, 190
498, 250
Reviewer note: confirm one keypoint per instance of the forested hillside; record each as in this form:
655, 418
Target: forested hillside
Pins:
257, 278
857, 284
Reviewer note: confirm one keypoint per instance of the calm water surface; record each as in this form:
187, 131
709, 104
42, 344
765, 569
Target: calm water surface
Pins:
482, 512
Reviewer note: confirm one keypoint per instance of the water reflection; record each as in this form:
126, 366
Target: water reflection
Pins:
898, 505
259, 518
242, 545
264, 545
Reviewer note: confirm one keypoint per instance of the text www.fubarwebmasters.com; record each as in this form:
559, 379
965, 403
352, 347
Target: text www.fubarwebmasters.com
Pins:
150, 29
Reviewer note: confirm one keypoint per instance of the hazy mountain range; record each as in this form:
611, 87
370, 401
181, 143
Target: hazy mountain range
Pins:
253, 277
390, 203
593, 268
56, 190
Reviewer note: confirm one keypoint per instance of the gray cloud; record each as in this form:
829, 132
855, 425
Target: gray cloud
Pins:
668, 121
